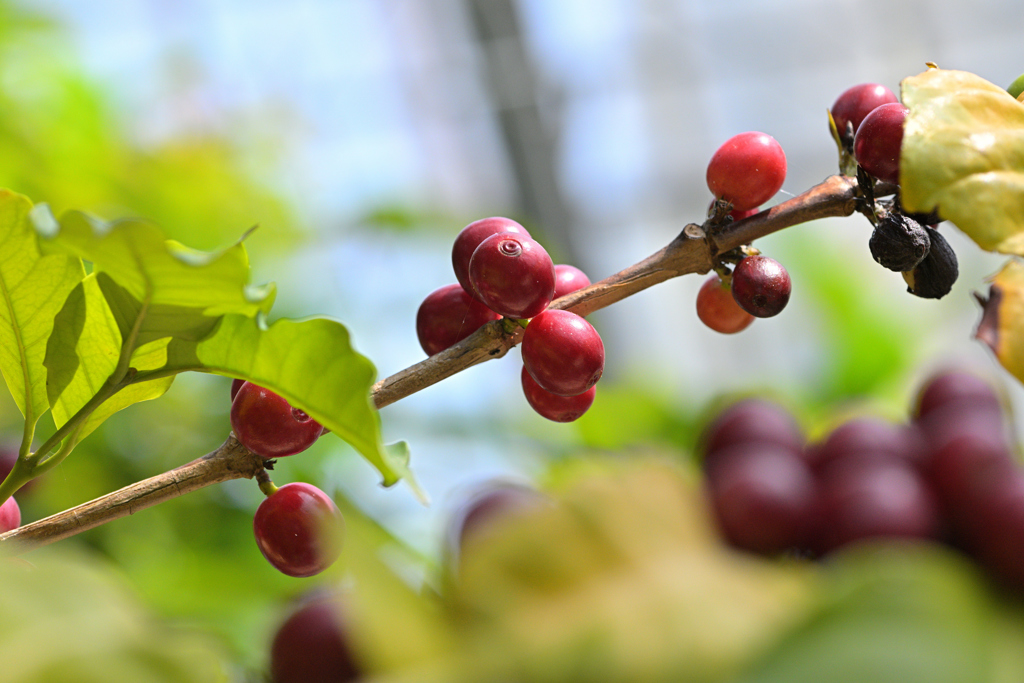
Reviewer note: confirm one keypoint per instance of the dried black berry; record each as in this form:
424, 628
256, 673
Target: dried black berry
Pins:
934, 276
898, 242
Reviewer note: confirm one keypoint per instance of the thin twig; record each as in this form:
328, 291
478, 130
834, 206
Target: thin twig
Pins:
230, 461
693, 251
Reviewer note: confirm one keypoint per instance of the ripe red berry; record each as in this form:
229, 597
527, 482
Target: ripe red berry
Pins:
447, 316
568, 279
311, 646
236, 384
761, 286
471, 237
298, 528
554, 407
563, 352
717, 308
857, 102
512, 275
10, 515
747, 170
877, 143
268, 425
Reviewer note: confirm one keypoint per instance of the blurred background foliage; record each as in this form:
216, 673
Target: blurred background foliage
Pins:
362, 136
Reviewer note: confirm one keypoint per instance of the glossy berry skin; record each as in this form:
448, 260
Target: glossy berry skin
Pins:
761, 286
447, 316
857, 102
297, 529
236, 384
554, 407
568, 279
267, 424
563, 352
512, 275
311, 646
470, 238
876, 147
717, 308
10, 515
747, 170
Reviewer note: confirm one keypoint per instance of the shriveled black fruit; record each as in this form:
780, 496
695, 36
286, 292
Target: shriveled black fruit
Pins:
934, 276
899, 242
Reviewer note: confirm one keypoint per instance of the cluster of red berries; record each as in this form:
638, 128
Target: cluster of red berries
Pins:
503, 273
868, 125
297, 526
869, 120
745, 172
947, 474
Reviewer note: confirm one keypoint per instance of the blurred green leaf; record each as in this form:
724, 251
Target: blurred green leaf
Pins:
963, 154
33, 287
311, 363
892, 612
68, 620
621, 579
866, 338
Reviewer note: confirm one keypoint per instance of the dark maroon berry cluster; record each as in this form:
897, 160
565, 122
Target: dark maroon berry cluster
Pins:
949, 473
744, 173
503, 273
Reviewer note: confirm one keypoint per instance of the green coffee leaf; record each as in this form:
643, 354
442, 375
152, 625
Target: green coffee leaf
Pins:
33, 287
154, 270
83, 353
963, 154
144, 291
65, 619
311, 363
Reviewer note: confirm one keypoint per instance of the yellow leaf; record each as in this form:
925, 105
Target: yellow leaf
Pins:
963, 154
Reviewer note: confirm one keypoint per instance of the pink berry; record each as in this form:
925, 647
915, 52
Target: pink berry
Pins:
512, 275
554, 407
471, 237
747, 170
268, 425
297, 529
447, 316
563, 352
